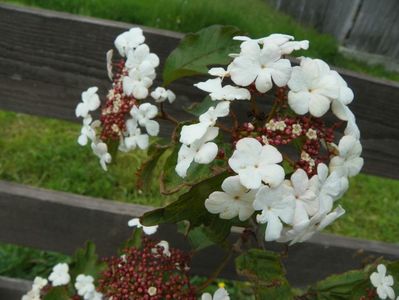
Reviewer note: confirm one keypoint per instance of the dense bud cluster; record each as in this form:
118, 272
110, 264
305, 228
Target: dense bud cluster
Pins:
117, 107
147, 273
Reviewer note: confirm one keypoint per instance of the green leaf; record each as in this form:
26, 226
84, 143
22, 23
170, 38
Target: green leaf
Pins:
189, 206
266, 272
57, 293
145, 173
86, 261
209, 46
349, 285
199, 108
133, 241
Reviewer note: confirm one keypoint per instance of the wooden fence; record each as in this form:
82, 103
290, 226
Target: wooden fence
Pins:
48, 58
366, 26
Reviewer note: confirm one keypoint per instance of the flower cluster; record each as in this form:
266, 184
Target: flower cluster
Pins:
297, 201
154, 271
383, 283
124, 115
84, 284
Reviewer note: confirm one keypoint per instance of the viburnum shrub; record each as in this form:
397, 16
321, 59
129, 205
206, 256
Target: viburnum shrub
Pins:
269, 149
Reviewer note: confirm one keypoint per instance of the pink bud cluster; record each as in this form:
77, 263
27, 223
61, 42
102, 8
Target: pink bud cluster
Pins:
147, 273
117, 107
305, 132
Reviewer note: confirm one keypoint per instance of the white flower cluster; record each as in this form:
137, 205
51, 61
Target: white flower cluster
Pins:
60, 276
135, 80
305, 205
383, 283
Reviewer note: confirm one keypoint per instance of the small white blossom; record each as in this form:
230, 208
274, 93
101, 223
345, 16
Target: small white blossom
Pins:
312, 87
135, 222
60, 275
235, 200
284, 41
34, 293
90, 102
136, 57
307, 228
152, 291
348, 162
277, 205
296, 129
144, 115
219, 92
260, 65
160, 95
129, 40
84, 285
311, 134
165, 246
100, 149
220, 294
383, 283
255, 163
108, 57
135, 138
201, 151
139, 80
194, 132
88, 131
94, 295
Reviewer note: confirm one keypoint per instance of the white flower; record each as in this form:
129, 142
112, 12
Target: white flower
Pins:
383, 283
236, 200
165, 246
84, 285
307, 228
194, 132
219, 72
143, 114
129, 40
255, 163
141, 54
219, 92
90, 102
284, 41
152, 291
94, 295
344, 97
60, 275
260, 65
134, 138
304, 191
161, 95
331, 187
277, 204
220, 294
100, 149
88, 131
139, 80
34, 293
201, 151
312, 87
135, 222
348, 162
108, 57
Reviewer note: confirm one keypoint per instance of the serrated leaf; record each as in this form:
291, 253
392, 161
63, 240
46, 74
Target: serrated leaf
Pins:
348, 285
86, 261
196, 51
265, 271
189, 206
57, 293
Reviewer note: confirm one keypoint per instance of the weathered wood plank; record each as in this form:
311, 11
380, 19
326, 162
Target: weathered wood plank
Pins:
62, 222
13, 289
376, 28
48, 58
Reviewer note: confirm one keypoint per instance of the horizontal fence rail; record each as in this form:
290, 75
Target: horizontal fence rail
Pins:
62, 222
48, 58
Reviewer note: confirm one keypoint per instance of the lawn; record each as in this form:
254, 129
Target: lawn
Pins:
36, 150
252, 16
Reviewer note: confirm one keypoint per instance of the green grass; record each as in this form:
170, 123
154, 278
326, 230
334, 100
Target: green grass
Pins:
252, 16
